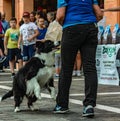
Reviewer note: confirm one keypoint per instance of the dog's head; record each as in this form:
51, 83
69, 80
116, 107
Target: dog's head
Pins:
47, 46
46, 51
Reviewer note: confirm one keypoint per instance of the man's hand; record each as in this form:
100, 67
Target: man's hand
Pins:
98, 12
60, 15
18, 46
30, 39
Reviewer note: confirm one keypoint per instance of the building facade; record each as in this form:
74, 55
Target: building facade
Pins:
17, 7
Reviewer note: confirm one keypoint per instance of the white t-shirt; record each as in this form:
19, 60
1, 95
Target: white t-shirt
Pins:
27, 30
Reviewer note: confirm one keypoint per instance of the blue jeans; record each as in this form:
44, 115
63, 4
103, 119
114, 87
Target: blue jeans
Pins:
84, 38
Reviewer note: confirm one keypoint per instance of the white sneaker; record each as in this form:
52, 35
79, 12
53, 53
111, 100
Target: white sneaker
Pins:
56, 75
74, 73
78, 73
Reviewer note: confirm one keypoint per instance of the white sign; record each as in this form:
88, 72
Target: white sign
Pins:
108, 64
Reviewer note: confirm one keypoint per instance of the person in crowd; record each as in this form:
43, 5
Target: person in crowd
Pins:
40, 14
42, 31
79, 20
56, 36
50, 16
5, 25
11, 45
2, 56
77, 65
57, 62
21, 22
32, 16
41, 28
28, 34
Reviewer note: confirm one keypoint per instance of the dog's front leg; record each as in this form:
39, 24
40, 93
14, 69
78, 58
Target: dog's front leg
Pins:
37, 90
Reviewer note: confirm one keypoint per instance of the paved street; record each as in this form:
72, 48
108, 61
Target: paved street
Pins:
107, 109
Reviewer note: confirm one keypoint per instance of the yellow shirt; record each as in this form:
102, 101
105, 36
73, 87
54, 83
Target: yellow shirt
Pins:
13, 36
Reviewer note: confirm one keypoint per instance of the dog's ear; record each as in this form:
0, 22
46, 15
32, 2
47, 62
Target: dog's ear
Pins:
39, 44
39, 47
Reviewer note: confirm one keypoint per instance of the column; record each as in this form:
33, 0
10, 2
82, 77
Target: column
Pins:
21, 6
5, 5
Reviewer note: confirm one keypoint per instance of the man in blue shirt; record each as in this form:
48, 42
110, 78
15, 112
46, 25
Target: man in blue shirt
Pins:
79, 18
5, 23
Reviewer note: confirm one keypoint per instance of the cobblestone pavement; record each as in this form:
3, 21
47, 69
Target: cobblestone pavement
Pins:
107, 109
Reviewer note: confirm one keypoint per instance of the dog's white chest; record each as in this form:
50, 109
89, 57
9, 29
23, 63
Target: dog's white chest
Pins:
44, 75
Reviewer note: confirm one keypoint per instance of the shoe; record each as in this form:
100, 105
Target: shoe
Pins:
56, 75
78, 73
2, 59
60, 110
74, 73
12, 75
88, 111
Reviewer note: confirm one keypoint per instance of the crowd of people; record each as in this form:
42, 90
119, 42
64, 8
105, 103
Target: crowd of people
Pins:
19, 43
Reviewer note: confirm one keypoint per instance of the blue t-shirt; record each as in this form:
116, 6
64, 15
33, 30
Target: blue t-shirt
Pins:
78, 11
42, 32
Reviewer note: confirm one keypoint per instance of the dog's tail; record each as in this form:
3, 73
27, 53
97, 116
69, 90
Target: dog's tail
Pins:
7, 95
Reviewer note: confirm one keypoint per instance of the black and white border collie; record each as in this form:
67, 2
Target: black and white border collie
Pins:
34, 76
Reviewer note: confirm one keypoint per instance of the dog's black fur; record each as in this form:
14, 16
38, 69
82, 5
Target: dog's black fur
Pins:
26, 73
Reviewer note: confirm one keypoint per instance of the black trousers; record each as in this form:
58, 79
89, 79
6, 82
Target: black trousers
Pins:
83, 38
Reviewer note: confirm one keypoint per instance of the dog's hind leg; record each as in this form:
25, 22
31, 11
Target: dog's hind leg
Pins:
7, 95
18, 100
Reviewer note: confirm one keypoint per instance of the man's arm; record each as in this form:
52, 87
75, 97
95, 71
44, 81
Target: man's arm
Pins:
112, 9
19, 41
60, 14
98, 12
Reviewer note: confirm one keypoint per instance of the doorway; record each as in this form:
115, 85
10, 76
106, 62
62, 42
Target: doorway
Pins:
49, 5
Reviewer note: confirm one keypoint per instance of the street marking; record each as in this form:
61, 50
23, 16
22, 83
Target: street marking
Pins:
3, 74
104, 93
5, 87
6, 82
78, 102
75, 79
98, 106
